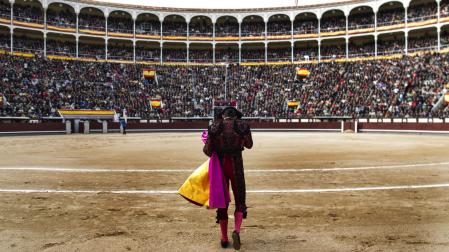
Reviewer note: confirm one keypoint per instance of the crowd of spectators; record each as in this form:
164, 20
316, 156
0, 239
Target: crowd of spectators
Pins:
253, 55
333, 24
305, 26
361, 21
174, 55
390, 17
174, 29
279, 27
227, 55
201, 55
279, 54
91, 22
28, 14
305, 53
253, 29
227, 28
363, 50
61, 18
88, 50
120, 51
422, 43
333, 51
58, 47
148, 54
5, 9
120, 25
444, 36
403, 87
200, 27
27, 44
422, 12
147, 27
5, 41
444, 8
392, 46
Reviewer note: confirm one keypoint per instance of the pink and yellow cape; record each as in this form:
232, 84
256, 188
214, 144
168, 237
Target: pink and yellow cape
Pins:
206, 186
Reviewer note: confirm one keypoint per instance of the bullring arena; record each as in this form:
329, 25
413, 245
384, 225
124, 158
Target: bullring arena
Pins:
347, 101
306, 192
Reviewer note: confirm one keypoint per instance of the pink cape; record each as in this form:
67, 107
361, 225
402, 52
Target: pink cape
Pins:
218, 192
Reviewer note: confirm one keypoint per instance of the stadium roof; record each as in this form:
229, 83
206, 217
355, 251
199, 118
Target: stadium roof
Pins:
222, 4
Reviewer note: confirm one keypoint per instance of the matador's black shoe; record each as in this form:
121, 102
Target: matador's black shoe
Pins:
224, 244
236, 240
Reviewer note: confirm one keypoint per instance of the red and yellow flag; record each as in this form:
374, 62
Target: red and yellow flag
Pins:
155, 103
149, 73
292, 104
302, 72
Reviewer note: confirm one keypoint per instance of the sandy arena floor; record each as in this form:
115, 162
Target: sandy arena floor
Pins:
373, 206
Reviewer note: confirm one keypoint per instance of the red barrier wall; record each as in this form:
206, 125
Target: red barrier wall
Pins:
59, 126
47, 126
405, 126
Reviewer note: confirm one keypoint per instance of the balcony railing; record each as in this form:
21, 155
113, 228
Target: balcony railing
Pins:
360, 26
29, 20
62, 24
93, 28
422, 18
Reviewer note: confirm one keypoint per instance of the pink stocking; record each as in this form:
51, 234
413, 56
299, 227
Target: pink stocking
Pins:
238, 221
224, 230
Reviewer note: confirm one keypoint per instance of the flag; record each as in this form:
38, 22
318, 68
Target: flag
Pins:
155, 103
293, 104
149, 73
302, 72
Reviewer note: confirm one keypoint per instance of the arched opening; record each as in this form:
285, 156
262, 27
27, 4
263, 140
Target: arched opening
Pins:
422, 40
148, 24
444, 9
227, 26
5, 9
201, 53
200, 26
253, 52
227, 53
148, 51
333, 49
306, 50
174, 25
390, 13
333, 21
361, 46
444, 36
420, 10
61, 15
29, 11
361, 18
89, 47
279, 24
120, 22
279, 52
28, 41
391, 43
119, 49
305, 23
61, 44
5, 38
174, 52
253, 26
91, 19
